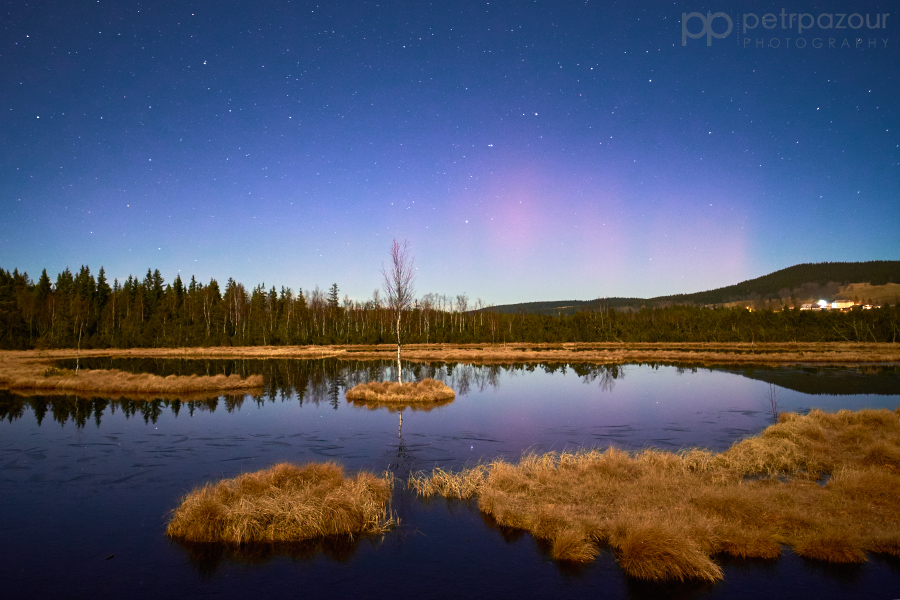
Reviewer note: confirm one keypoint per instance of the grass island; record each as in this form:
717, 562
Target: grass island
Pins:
285, 503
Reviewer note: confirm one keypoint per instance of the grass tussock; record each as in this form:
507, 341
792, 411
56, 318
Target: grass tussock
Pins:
666, 516
661, 552
33, 375
284, 503
425, 394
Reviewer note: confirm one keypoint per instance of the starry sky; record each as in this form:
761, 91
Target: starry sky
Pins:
527, 149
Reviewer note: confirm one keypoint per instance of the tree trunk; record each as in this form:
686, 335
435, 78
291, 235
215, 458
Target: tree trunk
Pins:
78, 349
399, 380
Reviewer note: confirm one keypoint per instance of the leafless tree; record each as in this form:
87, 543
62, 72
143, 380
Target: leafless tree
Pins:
398, 287
81, 310
427, 305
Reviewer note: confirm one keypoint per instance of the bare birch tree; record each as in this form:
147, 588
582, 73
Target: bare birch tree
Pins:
398, 287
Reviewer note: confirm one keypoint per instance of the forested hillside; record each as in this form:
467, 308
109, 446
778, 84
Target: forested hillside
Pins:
801, 282
81, 310
790, 286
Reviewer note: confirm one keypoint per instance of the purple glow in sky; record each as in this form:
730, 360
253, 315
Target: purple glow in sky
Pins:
527, 150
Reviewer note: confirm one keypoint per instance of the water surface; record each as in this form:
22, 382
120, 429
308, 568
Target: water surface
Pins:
86, 483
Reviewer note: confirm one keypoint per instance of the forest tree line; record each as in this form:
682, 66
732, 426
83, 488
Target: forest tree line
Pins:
81, 310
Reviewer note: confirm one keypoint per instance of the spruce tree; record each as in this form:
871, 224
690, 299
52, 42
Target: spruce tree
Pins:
333, 297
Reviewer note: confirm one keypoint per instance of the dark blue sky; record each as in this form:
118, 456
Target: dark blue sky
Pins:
527, 150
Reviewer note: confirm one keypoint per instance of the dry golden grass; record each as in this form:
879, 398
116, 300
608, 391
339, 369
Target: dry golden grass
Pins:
35, 362
284, 503
30, 375
609, 353
188, 352
830, 353
462, 485
667, 515
417, 395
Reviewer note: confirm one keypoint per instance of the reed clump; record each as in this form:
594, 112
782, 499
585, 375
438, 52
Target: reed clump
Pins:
462, 485
425, 394
666, 516
285, 503
30, 375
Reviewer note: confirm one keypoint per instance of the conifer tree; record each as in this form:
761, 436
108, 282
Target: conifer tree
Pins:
333, 297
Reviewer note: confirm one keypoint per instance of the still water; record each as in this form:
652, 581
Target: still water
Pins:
86, 483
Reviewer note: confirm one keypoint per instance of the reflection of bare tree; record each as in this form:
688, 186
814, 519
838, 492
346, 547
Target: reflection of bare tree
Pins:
609, 376
405, 460
401, 406
771, 400
605, 374
463, 380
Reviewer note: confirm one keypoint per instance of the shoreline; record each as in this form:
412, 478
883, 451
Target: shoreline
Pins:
779, 353
38, 375
34, 371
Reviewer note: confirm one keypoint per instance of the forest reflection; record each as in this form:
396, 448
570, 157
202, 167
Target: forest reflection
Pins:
316, 382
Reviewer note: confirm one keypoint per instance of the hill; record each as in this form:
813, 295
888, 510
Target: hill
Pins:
793, 285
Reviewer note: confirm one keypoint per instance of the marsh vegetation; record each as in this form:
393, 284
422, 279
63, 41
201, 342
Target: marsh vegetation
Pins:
419, 394
29, 374
285, 503
823, 484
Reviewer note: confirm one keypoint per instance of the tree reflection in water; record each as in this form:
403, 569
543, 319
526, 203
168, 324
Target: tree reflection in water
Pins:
304, 381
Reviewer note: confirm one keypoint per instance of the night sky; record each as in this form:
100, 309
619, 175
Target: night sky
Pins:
528, 150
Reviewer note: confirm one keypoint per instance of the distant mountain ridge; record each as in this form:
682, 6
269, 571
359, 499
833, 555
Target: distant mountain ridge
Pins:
803, 281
